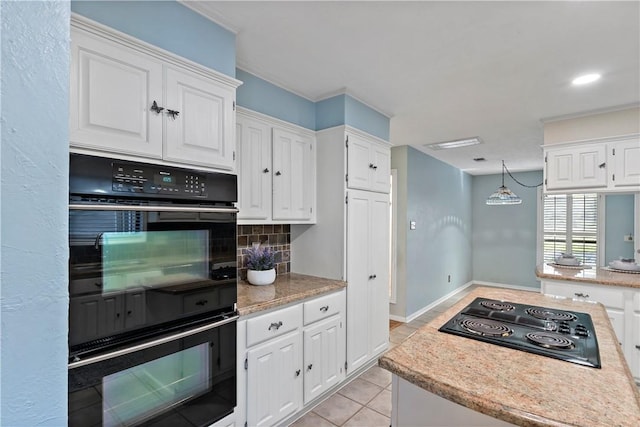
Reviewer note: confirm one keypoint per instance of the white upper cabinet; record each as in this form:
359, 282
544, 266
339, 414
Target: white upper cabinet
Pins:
577, 167
276, 171
202, 131
625, 159
254, 168
368, 164
112, 88
293, 176
603, 166
128, 98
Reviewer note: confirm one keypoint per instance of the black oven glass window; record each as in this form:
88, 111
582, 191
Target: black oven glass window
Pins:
139, 393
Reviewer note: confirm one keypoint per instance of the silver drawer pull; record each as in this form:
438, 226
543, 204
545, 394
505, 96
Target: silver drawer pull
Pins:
324, 308
275, 326
581, 295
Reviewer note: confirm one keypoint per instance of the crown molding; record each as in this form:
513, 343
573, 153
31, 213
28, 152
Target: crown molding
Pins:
205, 9
273, 121
590, 113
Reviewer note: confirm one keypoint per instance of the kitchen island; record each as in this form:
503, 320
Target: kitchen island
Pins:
510, 386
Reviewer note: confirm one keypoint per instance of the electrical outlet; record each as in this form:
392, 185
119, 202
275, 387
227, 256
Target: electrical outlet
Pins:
412, 225
628, 238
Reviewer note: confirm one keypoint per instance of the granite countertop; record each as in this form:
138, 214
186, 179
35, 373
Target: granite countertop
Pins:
515, 386
599, 276
287, 288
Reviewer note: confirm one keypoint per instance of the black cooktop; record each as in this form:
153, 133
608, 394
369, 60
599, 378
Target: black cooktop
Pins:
564, 335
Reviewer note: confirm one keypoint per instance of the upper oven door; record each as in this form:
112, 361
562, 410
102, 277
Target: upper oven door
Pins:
139, 269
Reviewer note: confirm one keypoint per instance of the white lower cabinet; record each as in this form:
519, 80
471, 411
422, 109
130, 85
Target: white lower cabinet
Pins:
279, 375
623, 308
274, 380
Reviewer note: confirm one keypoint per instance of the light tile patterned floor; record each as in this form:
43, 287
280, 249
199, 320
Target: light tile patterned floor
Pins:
366, 400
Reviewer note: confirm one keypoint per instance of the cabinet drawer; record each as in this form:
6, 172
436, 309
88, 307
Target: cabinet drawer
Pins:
608, 296
273, 324
323, 307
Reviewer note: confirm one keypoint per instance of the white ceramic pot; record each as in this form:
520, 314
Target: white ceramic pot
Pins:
264, 277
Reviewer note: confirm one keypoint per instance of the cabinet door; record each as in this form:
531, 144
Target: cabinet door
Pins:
626, 163
323, 356
202, 133
379, 267
618, 322
577, 167
359, 164
254, 169
274, 380
633, 359
381, 177
293, 175
112, 89
358, 277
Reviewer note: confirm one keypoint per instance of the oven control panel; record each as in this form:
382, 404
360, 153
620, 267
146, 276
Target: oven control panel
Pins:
151, 179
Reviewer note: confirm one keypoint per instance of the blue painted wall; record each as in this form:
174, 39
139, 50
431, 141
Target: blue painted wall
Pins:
33, 199
169, 25
259, 95
438, 198
619, 213
362, 117
346, 110
504, 237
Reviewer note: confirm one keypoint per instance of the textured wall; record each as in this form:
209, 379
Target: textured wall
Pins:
169, 25
619, 214
33, 233
259, 95
504, 237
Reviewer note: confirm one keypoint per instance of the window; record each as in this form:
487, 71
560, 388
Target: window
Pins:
570, 224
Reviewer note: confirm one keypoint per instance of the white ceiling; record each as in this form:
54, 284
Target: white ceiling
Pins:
447, 70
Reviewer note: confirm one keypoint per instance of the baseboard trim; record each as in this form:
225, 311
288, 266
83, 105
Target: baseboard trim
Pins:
422, 311
504, 285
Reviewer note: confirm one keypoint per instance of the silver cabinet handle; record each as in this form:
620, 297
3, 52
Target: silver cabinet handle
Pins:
324, 308
581, 295
275, 326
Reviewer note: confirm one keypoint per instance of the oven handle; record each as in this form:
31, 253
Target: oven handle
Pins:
154, 343
146, 208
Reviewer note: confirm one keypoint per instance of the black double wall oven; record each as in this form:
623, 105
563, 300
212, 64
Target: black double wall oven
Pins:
152, 289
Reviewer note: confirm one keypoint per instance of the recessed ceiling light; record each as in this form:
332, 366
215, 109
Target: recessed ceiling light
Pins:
455, 144
585, 79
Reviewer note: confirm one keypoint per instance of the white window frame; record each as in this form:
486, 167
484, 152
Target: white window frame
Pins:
600, 234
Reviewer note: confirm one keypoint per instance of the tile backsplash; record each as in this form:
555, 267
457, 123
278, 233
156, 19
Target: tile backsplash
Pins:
278, 237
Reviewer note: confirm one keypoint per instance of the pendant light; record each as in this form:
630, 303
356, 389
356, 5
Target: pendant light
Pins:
503, 196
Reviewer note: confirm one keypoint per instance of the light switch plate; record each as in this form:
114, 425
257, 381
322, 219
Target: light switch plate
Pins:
412, 225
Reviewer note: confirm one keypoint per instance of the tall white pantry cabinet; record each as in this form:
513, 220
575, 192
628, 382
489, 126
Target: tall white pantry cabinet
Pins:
350, 240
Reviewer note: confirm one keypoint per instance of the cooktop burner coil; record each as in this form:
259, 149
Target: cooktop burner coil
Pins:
550, 340
497, 305
545, 314
486, 327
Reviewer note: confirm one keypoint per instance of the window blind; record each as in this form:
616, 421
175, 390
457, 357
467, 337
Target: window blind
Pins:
571, 225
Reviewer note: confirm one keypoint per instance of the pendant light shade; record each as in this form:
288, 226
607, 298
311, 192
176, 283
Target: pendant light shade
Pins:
503, 196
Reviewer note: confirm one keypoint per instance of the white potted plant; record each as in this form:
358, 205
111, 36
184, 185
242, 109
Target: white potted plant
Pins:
261, 263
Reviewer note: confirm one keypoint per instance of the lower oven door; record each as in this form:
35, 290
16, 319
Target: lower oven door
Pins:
185, 379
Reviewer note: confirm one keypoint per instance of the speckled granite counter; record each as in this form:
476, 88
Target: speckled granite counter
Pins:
598, 276
516, 386
287, 288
